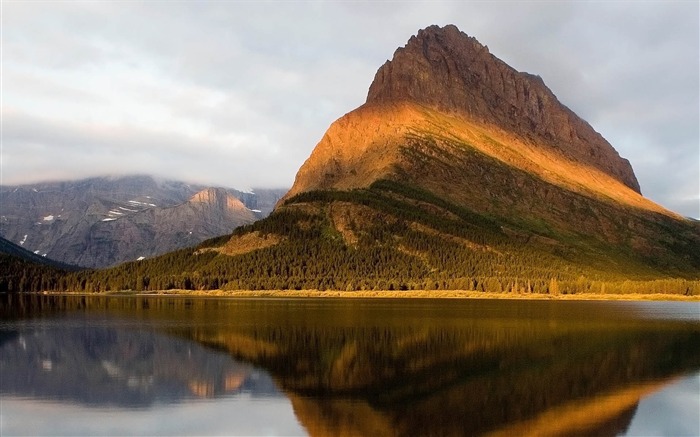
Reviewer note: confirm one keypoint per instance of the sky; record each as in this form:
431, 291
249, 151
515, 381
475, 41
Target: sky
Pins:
238, 93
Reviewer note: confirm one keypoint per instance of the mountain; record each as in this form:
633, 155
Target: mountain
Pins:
448, 118
445, 69
103, 221
457, 172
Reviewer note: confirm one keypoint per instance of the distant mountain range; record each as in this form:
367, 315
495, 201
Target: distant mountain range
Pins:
100, 222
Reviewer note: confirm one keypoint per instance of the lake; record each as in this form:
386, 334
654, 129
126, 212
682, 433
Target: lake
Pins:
120, 365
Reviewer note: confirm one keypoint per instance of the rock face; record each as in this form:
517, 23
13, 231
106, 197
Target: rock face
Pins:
104, 221
219, 200
445, 69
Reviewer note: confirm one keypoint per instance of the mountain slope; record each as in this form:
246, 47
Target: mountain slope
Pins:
99, 222
489, 171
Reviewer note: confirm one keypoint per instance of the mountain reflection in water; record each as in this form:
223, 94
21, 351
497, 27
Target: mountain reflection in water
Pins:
376, 367
120, 367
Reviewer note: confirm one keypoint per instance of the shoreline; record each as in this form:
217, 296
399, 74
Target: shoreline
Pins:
388, 294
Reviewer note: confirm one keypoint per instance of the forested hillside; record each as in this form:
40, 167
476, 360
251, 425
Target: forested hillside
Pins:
390, 237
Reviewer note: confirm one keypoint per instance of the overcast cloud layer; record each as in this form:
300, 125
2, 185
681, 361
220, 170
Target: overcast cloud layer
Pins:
238, 93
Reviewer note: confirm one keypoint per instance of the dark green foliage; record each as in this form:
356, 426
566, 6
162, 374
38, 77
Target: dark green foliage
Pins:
17, 274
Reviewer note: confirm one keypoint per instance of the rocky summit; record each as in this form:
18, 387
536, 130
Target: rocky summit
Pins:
457, 172
445, 69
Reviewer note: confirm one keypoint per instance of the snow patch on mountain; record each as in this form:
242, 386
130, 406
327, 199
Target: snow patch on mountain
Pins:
136, 202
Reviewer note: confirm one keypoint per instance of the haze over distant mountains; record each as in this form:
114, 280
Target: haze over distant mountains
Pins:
99, 222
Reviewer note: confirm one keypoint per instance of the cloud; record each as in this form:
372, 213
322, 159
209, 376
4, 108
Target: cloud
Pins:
241, 90
92, 149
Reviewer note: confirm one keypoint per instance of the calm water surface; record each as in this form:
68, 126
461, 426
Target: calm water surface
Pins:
395, 367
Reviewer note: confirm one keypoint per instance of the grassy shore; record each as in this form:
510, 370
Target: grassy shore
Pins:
413, 294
